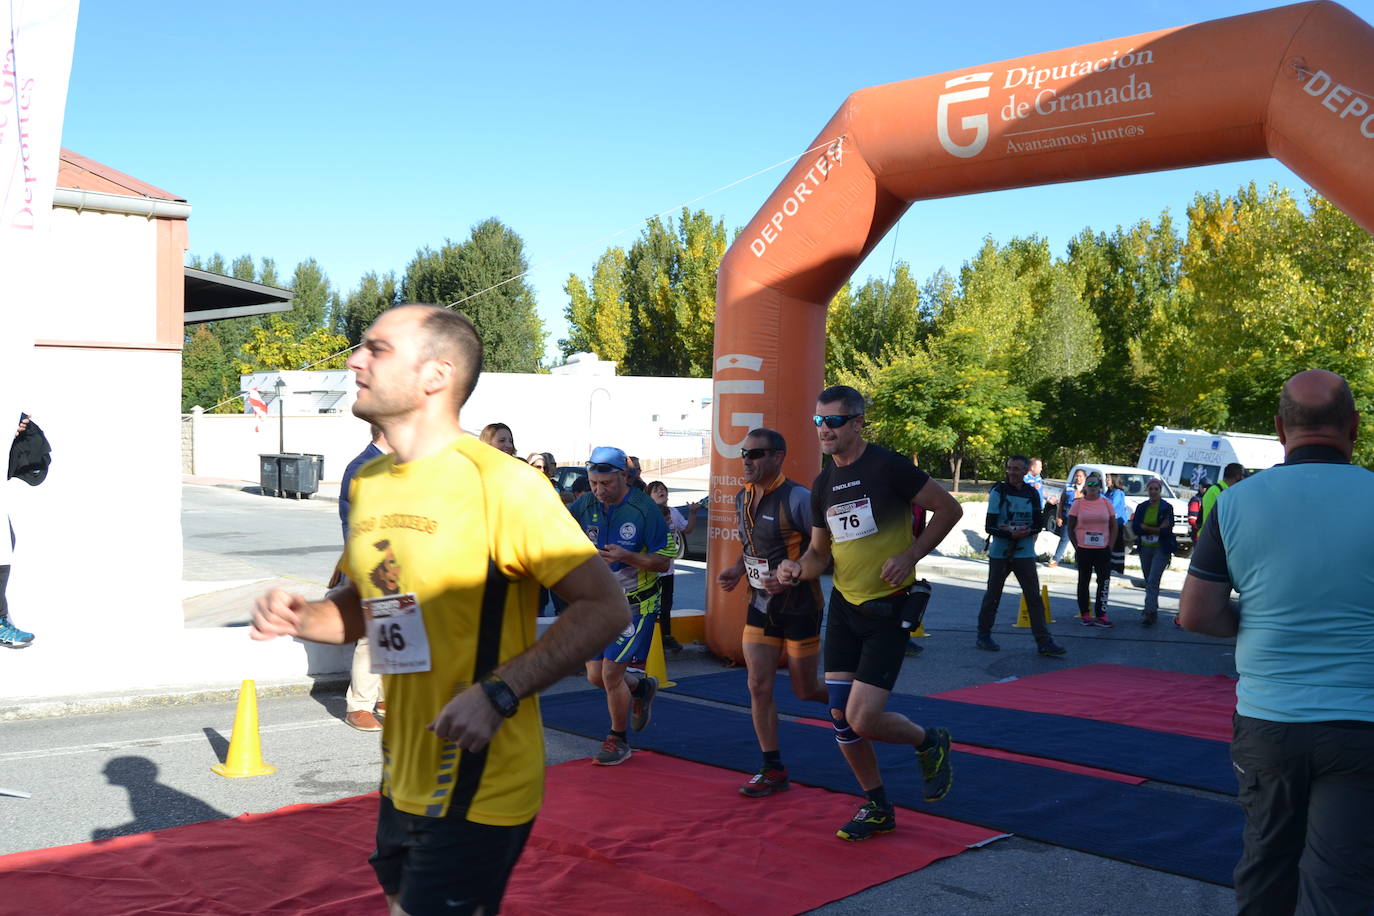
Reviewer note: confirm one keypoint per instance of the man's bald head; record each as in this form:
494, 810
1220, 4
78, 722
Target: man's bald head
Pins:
1316, 399
451, 336
1317, 407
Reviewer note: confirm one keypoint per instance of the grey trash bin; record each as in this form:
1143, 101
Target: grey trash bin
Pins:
269, 474
300, 474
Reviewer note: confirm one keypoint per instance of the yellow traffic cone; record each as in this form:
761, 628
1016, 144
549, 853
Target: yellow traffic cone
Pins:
1022, 617
1045, 601
655, 665
920, 631
245, 748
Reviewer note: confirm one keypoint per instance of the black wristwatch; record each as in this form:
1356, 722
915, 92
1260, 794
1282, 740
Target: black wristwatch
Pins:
500, 695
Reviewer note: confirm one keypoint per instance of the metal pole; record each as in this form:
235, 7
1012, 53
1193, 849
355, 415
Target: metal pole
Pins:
281, 417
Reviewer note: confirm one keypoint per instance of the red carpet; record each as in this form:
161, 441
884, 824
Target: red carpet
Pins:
1167, 701
657, 835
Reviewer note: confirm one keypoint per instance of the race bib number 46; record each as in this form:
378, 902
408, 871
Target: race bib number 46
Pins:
851, 521
396, 631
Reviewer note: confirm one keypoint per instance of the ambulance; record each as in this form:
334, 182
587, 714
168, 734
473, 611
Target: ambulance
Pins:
1184, 457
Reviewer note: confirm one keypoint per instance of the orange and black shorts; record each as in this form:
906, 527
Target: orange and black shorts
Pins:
791, 617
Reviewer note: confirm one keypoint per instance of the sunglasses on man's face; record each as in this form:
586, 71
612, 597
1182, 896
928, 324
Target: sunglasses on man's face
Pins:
600, 468
754, 454
835, 420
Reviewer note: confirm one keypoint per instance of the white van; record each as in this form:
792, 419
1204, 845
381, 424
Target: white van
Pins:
1184, 456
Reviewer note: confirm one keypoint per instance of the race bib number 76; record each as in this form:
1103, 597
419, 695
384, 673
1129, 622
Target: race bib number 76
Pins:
852, 520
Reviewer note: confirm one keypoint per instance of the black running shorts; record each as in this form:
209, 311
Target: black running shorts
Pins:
444, 865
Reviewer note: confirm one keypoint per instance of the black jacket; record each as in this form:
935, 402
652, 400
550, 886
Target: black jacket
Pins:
30, 455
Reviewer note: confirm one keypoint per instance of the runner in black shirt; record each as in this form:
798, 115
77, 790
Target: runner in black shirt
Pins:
862, 512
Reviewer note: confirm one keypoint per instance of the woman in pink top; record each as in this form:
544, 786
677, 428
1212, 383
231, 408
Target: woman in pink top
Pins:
1092, 527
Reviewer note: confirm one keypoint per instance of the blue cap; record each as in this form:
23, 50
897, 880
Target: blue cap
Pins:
606, 454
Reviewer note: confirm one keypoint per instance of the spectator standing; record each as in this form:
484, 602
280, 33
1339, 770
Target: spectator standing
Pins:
633, 473
29, 456
1153, 525
1303, 737
1195, 509
544, 463
1072, 490
499, 437
1014, 518
678, 529
1117, 497
1231, 475
363, 702
1035, 480
1092, 526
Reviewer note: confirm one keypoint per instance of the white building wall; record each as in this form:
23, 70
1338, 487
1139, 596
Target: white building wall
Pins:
105, 285
653, 418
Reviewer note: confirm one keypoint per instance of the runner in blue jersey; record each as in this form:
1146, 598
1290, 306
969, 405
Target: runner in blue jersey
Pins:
628, 528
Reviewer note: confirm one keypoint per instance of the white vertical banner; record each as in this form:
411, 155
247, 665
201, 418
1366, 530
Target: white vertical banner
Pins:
36, 41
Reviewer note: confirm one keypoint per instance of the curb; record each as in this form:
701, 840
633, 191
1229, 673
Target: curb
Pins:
155, 697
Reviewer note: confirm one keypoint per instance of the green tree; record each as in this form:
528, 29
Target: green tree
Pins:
944, 400
881, 321
278, 345
599, 318
483, 277
670, 287
373, 296
205, 372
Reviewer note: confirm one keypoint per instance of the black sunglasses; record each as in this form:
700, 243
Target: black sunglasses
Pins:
602, 468
754, 454
835, 420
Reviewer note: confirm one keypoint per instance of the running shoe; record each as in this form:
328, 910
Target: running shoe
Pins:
671, 644
642, 706
1148, 618
613, 751
1052, 649
935, 768
765, 782
870, 820
987, 644
1085, 619
1104, 621
12, 637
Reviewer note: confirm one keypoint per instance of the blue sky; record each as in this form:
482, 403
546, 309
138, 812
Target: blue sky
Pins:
356, 133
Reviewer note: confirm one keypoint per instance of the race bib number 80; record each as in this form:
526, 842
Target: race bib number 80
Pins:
851, 521
396, 631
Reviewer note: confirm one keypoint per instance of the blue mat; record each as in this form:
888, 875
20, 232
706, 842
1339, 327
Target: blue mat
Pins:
1180, 760
1185, 835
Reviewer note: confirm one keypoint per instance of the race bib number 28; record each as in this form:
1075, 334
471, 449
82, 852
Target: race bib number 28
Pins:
396, 631
851, 521
756, 569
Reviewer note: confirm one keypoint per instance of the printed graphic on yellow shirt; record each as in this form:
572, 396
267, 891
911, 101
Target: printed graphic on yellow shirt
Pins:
386, 575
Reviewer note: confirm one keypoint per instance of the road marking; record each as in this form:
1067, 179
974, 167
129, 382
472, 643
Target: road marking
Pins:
149, 742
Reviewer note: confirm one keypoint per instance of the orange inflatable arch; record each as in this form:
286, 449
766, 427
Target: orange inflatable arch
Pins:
1295, 83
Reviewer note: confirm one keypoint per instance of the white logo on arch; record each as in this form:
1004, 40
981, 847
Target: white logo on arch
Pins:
977, 123
743, 420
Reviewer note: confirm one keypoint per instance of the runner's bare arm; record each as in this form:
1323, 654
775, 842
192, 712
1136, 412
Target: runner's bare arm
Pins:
945, 513
595, 614
1206, 607
813, 563
337, 618
650, 562
730, 576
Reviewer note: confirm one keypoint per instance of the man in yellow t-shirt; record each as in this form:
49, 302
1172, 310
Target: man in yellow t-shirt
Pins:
449, 542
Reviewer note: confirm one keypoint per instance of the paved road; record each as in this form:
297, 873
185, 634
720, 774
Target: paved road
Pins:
139, 769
